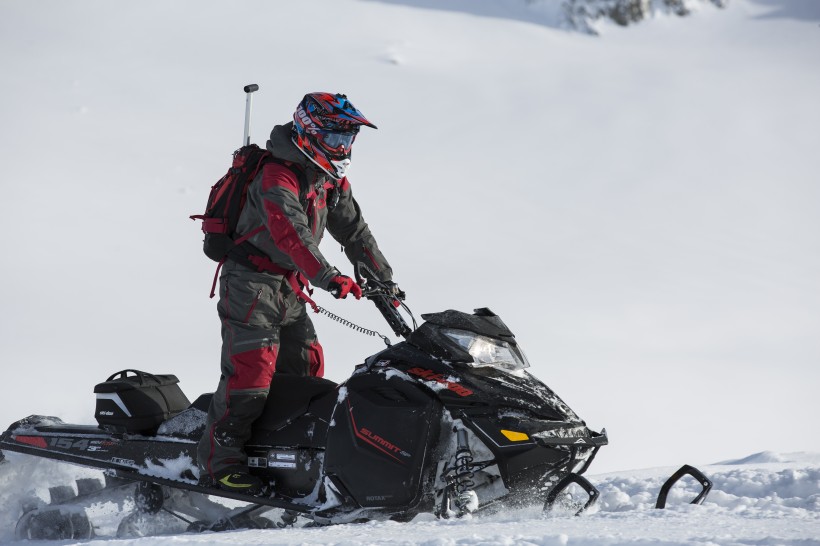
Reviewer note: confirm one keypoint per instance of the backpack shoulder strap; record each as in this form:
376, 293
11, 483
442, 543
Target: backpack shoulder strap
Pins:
295, 168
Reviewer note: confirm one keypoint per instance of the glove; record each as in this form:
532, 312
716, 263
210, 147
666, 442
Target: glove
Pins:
342, 285
394, 290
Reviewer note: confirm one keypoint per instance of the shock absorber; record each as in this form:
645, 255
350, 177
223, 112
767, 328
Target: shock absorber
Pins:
466, 499
464, 460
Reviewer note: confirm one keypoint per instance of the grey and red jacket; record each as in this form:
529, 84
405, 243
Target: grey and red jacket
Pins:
295, 213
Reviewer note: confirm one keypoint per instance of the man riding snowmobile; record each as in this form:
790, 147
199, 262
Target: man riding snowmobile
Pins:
265, 325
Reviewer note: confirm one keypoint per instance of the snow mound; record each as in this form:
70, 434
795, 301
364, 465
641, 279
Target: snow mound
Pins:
790, 488
762, 457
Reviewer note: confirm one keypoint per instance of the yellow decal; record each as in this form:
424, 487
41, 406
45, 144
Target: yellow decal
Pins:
227, 481
515, 436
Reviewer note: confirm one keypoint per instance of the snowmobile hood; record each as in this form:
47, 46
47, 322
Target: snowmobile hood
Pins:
474, 391
483, 322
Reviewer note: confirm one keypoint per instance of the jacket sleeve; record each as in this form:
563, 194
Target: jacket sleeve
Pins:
346, 224
287, 223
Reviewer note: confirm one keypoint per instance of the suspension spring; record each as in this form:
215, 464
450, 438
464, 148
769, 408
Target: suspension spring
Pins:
463, 473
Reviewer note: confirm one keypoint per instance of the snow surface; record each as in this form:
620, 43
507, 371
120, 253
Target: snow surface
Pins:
756, 503
641, 208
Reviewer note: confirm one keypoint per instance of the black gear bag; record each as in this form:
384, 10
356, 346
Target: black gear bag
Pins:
138, 403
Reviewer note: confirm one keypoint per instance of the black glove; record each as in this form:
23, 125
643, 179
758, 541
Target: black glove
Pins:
394, 290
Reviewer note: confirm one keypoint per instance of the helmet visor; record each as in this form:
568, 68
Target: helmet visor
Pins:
336, 141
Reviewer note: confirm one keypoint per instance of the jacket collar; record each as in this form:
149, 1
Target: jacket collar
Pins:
281, 146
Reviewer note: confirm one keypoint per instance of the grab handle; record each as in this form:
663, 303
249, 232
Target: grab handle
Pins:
140, 375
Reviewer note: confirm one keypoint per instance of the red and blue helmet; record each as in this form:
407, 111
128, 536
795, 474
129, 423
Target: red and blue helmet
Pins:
324, 128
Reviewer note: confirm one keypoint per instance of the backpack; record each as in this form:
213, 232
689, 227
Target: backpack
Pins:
226, 200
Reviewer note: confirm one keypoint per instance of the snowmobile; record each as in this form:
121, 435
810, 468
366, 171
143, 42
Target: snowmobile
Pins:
448, 421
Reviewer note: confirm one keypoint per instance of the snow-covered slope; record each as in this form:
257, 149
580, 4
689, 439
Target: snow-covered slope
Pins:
767, 499
590, 16
641, 208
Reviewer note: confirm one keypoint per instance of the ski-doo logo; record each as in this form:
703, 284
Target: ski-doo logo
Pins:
430, 375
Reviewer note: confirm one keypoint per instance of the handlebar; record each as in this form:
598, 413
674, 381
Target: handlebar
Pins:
388, 305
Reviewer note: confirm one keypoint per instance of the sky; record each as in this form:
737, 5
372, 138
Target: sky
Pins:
641, 207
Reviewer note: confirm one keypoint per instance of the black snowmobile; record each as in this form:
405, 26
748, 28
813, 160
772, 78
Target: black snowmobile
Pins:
448, 421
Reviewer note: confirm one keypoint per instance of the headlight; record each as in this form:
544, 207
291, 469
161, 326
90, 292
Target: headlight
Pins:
487, 351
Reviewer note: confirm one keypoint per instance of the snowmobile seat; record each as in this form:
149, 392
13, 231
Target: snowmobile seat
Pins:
297, 413
203, 402
289, 397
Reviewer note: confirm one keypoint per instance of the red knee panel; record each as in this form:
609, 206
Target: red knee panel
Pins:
253, 369
316, 358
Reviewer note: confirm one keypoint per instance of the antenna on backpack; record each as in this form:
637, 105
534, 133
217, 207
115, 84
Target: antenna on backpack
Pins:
249, 89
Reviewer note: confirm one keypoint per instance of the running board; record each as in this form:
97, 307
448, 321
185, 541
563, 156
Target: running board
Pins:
134, 476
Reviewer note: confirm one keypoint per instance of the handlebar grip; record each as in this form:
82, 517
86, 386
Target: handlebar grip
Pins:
251, 88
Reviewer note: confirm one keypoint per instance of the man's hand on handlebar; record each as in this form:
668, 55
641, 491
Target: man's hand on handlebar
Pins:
342, 285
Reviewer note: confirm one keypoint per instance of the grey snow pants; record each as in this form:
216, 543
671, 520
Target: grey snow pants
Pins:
265, 329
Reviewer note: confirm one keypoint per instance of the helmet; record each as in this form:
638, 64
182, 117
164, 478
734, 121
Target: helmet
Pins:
324, 128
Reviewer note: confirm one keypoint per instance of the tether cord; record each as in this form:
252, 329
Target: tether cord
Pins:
352, 325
